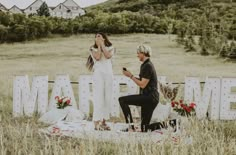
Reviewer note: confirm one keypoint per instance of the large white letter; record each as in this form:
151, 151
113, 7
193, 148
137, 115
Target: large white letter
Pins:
227, 97
63, 87
85, 95
211, 92
26, 101
131, 89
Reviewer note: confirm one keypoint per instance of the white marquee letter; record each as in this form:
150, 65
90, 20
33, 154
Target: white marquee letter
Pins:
85, 95
131, 89
227, 97
26, 101
211, 91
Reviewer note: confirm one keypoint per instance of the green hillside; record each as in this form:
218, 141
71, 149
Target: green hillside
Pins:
155, 7
213, 20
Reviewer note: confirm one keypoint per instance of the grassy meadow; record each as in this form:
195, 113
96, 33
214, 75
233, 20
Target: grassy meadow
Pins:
68, 56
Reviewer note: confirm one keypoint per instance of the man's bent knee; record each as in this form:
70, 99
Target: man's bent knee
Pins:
121, 100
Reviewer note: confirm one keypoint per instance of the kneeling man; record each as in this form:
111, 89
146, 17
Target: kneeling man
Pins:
148, 96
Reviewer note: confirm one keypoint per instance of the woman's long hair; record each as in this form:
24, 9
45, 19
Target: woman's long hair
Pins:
90, 62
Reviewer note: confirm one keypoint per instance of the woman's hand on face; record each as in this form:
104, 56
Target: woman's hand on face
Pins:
99, 41
102, 43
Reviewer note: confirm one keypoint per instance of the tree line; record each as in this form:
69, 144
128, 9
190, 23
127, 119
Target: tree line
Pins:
18, 27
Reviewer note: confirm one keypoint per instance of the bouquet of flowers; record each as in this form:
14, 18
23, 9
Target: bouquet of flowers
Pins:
62, 102
182, 108
169, 91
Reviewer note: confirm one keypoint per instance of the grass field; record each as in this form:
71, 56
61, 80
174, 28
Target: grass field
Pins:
68, 56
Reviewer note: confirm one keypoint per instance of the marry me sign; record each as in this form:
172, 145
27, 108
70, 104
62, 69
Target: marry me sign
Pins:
216, 98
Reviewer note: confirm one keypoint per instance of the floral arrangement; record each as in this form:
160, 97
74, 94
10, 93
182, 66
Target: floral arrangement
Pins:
169, 91
182, 108
62, 102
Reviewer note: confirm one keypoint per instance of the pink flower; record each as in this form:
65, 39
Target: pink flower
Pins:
57, 98
68, 101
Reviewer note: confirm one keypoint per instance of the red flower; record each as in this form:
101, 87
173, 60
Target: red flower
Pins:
62, 102
188, 109
184, 109
192, 105
68, 101
176, 103
173, 104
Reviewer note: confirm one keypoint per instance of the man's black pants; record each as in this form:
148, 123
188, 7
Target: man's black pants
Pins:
147, 107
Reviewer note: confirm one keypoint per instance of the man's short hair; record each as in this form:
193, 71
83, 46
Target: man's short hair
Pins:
146, 50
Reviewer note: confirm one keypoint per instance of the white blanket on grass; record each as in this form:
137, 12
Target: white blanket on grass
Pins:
85, 130
68, 114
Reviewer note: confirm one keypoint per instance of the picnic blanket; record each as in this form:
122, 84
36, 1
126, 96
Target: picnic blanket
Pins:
85, 130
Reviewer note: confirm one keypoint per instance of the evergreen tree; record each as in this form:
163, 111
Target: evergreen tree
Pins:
204, 51
181, 32
189, 40
224, 50
232, 47
43, 10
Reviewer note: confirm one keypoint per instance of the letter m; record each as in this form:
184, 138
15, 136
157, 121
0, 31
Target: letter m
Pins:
208, 101
27, 101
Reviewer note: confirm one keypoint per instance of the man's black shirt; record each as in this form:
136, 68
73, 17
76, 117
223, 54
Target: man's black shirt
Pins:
147, 71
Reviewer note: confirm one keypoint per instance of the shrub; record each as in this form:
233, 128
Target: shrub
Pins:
17, 33
5, 18
3, 33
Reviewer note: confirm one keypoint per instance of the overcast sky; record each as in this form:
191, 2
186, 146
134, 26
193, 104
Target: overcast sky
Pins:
85, 3
22, 4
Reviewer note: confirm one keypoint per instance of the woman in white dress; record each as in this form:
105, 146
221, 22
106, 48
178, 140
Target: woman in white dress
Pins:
100, 62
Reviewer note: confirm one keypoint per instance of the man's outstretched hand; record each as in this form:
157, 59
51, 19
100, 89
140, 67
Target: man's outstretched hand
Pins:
127, 73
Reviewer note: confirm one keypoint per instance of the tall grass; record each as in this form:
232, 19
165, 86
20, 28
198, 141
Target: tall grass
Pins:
68, 55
